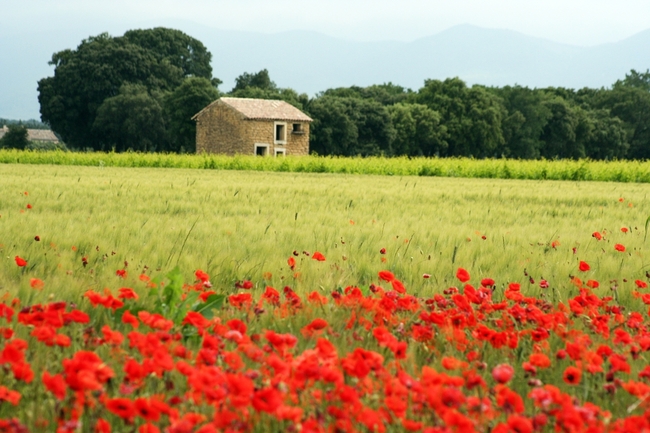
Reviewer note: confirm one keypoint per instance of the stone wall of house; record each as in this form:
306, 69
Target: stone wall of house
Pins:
221, 129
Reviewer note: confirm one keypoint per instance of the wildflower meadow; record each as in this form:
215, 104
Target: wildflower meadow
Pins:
182, 300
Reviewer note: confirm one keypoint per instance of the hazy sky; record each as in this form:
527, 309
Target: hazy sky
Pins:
578, 22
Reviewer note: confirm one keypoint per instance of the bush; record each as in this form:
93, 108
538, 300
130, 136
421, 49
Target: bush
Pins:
44, 146
15, 138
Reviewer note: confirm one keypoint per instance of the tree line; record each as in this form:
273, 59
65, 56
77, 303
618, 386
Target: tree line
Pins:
140, 90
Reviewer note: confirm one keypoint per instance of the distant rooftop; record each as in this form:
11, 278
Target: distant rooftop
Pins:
35, 134
263, 109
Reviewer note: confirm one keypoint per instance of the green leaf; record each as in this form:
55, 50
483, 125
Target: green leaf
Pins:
646, 228
214, 302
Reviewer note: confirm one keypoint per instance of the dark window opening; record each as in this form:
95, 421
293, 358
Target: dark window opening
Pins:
261, 151
279, 132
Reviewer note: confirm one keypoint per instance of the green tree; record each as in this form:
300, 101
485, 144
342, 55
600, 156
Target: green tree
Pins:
524, 122
417, 130
332, 132
363, 125
84, 78
176, 48
132, 120
636, 80
15, 138
184, 102
260, 80
472, 116
607, 136
566, 130
629, 100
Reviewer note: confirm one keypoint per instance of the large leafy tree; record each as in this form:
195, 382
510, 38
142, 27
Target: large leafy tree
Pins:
350, 126
184, 102
157, 59
260, 86
525, 121
473, 116
417, 130
131, 120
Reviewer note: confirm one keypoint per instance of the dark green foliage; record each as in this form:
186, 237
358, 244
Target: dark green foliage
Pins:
157, 60
131, 120
260, 86
350, 126
14, 138
472, 117
524, 122
184, 102
260, 80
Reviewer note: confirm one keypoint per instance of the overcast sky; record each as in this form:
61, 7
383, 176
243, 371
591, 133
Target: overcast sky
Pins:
577, 22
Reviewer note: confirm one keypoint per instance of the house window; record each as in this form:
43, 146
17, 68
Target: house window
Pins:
280, 133
261, 149
280, 152
297, 129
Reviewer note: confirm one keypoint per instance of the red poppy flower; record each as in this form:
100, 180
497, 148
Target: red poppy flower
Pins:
624, 229
55, 384
149, 428
619, 247
641, 284
387, 276
597, 235
102, 426
572, 375
20, 261
35, 283
398, 286
462, 275
121, 273
584, 266
318, 256
29, 206
382, 251
122, 407
11, 396
127, 293
487, 282
502, 373
291, 262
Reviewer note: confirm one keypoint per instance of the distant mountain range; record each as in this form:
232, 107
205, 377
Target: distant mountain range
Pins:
311, 62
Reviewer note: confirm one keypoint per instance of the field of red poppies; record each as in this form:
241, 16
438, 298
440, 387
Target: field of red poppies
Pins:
146, 351
174, 357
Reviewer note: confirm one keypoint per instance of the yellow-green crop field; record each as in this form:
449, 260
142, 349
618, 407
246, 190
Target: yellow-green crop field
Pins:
239, 225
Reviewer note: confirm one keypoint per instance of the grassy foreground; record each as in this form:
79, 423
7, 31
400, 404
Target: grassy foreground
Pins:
319, 303
605, 171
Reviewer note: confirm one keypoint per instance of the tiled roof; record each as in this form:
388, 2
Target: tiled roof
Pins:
41, 135
35, 134
263, 109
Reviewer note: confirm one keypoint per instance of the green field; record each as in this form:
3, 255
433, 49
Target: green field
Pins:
574, 170
239, 225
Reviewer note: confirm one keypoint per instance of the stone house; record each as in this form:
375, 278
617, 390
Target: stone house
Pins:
252, 127
35, 134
